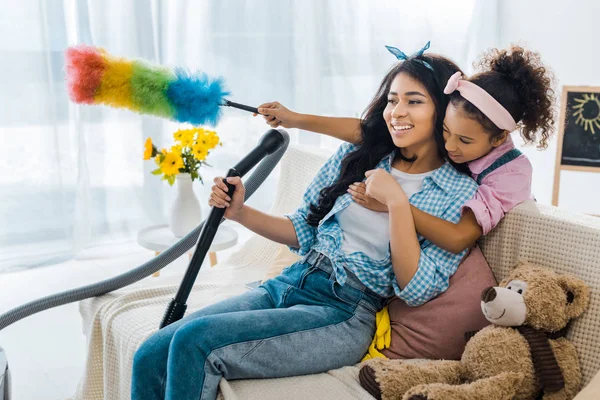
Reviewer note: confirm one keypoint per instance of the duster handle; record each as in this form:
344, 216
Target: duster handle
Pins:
241, 106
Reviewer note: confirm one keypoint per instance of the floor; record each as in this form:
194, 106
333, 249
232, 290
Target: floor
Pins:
46, 351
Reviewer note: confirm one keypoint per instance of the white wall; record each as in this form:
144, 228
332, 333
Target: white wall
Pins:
566, 34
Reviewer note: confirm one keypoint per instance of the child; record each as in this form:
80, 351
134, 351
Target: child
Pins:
514, 90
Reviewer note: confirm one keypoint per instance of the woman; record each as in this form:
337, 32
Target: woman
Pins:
319, 314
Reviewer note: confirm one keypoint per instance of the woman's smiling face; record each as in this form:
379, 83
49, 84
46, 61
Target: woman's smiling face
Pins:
410, 113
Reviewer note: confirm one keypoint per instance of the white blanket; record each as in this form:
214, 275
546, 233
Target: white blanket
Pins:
130, 316
120, 324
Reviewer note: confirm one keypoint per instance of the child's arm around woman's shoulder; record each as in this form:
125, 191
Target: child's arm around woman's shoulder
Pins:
454, 237
499, 192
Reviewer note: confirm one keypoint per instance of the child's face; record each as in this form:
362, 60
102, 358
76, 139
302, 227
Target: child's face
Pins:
410, 113
465, 138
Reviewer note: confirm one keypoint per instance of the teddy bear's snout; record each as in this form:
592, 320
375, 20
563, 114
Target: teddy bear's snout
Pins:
488, 294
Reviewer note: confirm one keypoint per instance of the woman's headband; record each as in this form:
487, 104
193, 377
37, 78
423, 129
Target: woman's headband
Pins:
400, 55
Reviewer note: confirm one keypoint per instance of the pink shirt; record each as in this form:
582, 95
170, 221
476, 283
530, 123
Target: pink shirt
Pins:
502, 189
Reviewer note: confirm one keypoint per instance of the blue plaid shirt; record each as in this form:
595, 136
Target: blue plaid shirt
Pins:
443, 194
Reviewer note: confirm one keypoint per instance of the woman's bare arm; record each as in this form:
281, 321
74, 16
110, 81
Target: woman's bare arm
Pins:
277, 229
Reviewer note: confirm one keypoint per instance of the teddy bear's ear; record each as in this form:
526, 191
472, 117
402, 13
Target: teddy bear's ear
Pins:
519, 265
578, 295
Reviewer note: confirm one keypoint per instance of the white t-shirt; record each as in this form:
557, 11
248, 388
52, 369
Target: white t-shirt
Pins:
369, 231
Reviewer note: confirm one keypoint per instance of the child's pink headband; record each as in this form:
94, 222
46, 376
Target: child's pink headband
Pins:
482, 100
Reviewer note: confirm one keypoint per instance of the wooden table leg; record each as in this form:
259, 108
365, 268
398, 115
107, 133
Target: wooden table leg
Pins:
213, 258
157, 273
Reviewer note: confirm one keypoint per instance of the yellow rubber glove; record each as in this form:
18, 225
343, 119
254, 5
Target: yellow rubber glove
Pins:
383, 335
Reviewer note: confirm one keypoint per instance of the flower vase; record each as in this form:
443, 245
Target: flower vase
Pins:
186, 213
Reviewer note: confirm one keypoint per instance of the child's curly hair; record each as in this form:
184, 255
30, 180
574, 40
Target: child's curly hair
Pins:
519, 81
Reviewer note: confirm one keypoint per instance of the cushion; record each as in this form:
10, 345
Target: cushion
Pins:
335, 384
283, 258
436, 329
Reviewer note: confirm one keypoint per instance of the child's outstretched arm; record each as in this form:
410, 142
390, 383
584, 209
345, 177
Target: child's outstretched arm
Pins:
276, 114
445, 234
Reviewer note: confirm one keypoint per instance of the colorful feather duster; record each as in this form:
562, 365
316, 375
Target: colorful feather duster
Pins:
96, 77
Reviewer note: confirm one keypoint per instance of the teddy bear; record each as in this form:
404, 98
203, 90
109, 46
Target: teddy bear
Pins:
523, 354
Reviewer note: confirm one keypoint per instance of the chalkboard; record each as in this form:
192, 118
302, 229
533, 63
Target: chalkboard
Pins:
578, 145
581, 136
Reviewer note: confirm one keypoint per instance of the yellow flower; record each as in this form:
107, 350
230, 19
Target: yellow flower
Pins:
176, 149
171, 164
178, 134
187, 141
208, 139
200, 152
214, 139
149, 149
184, 136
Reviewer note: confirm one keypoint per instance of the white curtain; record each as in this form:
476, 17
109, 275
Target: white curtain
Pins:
73, 177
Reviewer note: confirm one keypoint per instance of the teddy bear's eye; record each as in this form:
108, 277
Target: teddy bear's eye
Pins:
517, 286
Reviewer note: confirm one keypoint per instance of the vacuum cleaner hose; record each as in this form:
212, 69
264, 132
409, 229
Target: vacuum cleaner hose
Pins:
259, 175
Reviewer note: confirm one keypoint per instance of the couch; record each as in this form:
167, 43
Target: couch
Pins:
117, 323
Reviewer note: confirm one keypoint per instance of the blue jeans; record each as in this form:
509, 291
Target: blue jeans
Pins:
301, 322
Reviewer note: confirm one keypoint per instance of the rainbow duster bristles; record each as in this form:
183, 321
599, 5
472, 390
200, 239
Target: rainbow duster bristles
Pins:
96, 77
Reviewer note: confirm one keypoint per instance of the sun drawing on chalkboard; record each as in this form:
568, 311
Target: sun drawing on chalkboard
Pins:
587, 112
